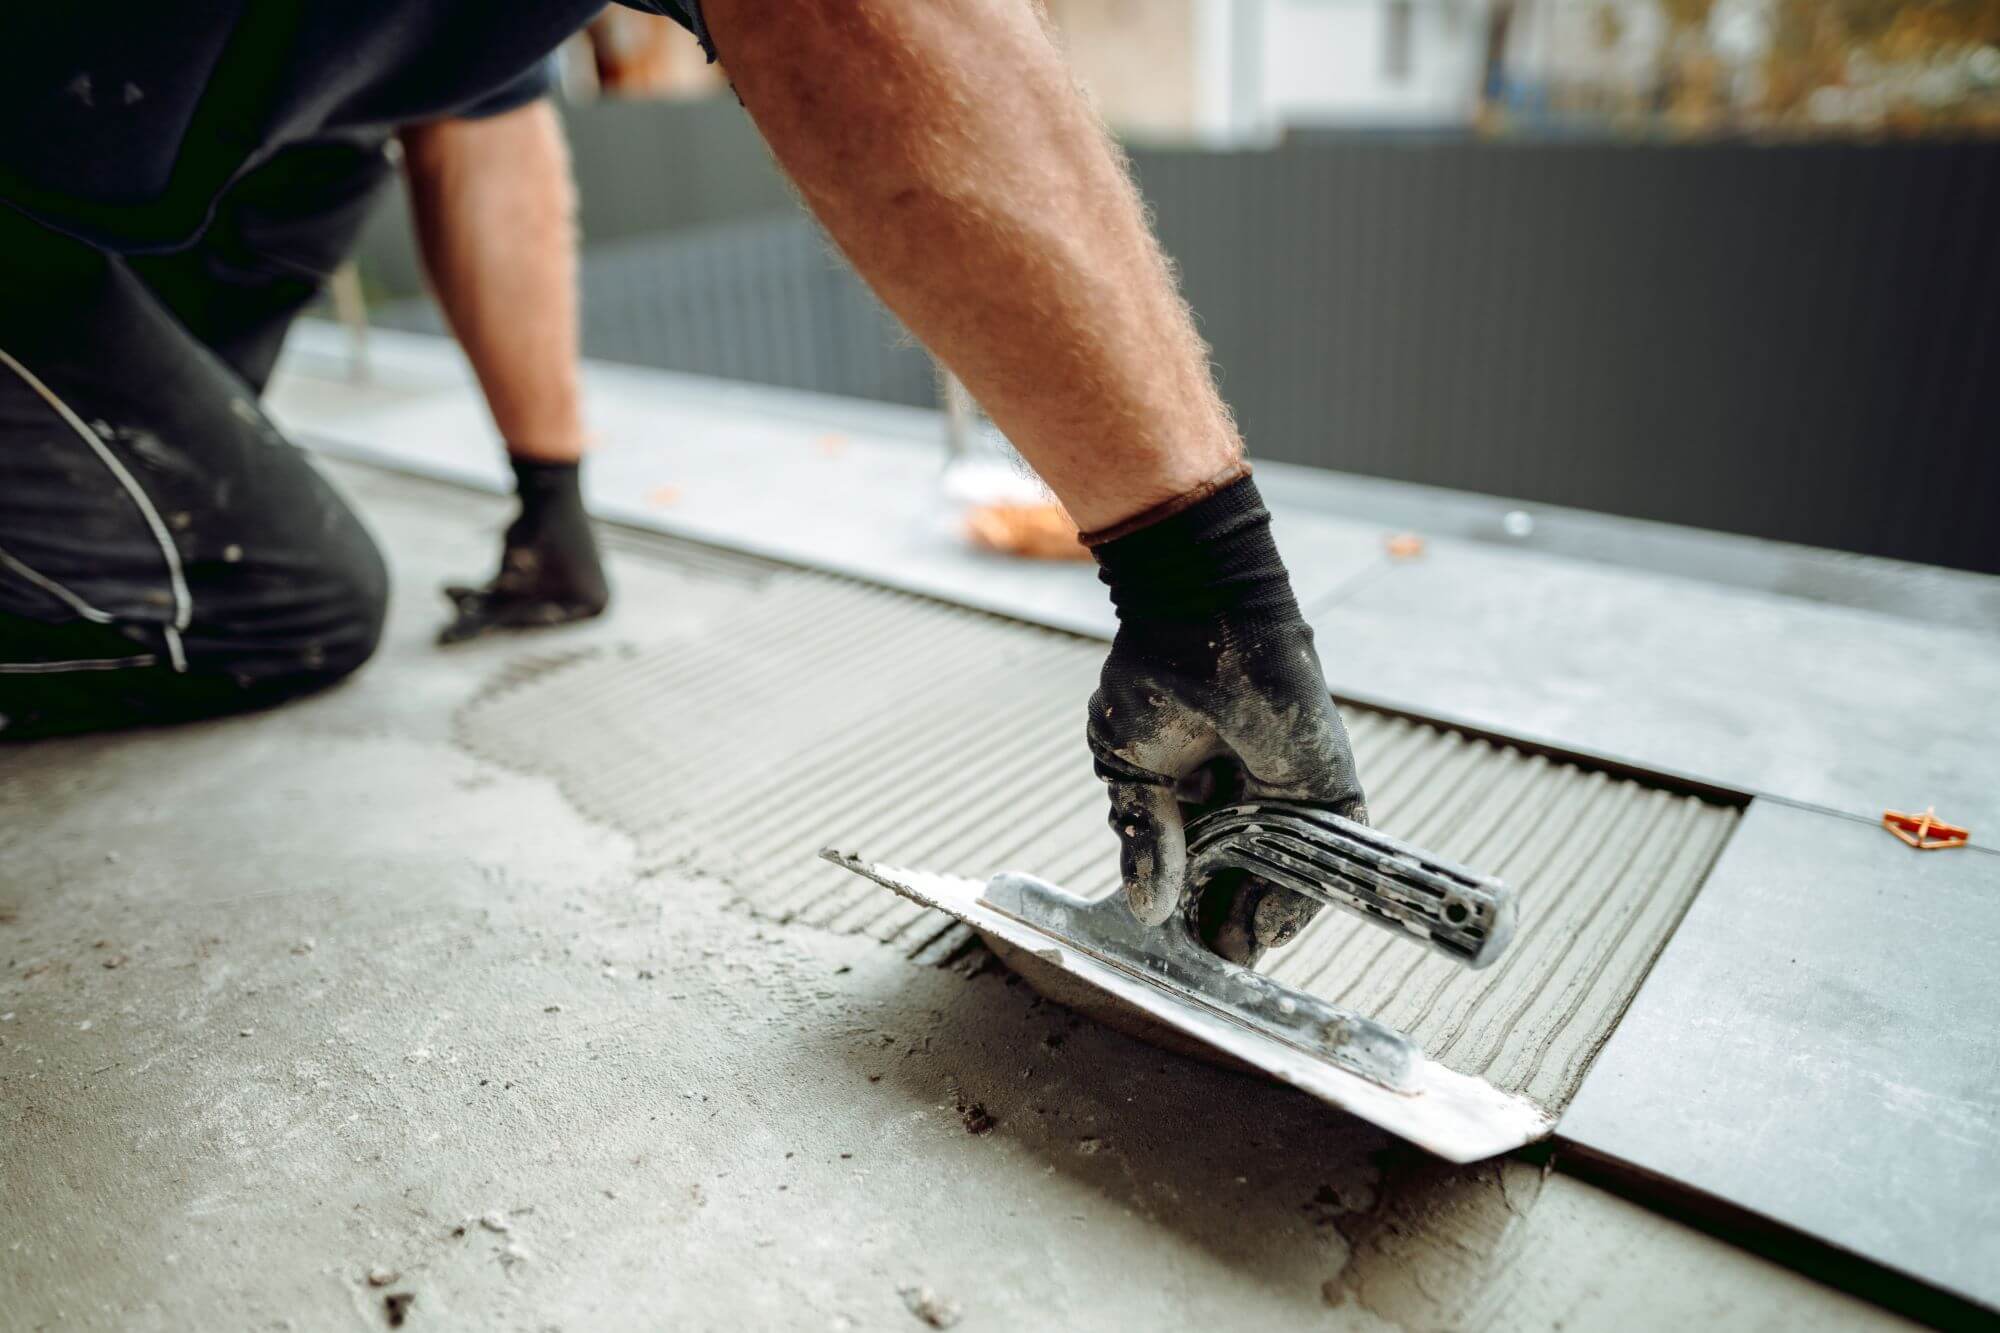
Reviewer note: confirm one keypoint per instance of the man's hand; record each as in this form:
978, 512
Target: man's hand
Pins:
550, 572
1212, 694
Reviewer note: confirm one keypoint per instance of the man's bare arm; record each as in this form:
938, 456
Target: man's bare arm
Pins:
947, 150
495, 214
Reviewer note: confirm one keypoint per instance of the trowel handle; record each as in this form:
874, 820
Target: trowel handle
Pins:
1465, 916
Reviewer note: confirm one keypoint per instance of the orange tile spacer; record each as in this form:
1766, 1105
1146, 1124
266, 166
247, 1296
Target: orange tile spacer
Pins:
1925, 832
1036, 531
1404, 546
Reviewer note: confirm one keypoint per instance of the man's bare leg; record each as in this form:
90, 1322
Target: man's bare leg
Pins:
946, 149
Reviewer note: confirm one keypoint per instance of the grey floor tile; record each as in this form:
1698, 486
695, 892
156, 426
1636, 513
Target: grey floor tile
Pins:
1816, 1045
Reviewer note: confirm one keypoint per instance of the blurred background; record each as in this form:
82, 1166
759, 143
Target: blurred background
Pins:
1726, 263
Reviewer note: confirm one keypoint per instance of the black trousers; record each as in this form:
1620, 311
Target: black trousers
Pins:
165, 553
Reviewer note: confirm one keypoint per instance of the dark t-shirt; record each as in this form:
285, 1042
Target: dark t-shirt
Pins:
123, 121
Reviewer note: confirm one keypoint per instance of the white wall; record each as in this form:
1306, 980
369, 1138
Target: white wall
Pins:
1242, 70
1326, 62
1138, 58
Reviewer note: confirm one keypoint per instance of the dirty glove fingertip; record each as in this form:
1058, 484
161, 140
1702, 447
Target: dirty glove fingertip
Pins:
1152, 850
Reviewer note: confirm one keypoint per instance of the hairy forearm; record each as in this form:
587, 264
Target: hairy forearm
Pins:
945, 148
495, 216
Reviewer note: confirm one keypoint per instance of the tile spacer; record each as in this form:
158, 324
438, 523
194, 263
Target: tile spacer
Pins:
1925, 832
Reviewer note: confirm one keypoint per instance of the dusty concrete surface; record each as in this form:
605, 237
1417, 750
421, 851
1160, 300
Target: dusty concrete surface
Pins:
315, 1020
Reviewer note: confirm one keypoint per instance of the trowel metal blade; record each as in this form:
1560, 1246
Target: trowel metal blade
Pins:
1368, 1071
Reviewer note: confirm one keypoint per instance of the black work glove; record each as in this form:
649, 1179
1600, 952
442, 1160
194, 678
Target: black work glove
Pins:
549, 568
1212, 694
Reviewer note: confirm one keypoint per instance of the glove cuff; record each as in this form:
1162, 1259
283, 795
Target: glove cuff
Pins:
1211, 558
1146, 518
542, 484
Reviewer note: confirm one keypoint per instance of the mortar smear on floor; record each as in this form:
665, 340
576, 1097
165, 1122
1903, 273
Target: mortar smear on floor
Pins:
929, 735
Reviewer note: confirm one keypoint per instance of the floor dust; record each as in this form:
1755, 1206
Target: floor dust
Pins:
1424, 1254
975, 1117
933, 1309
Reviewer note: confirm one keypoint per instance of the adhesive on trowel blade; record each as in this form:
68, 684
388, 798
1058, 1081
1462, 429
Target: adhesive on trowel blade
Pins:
1168, 978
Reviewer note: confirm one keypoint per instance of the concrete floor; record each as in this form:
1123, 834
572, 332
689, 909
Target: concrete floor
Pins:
293, 999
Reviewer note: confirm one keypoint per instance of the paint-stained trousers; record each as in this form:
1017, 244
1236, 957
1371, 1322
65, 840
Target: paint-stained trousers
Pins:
165, 553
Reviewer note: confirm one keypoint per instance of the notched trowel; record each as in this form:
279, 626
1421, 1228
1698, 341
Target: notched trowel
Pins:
1171, 979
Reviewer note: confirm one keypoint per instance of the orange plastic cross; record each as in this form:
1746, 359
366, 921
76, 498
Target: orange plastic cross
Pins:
1925, 832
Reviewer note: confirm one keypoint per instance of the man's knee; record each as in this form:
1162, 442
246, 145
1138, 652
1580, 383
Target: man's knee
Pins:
274, 616
339, 622
367, 607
